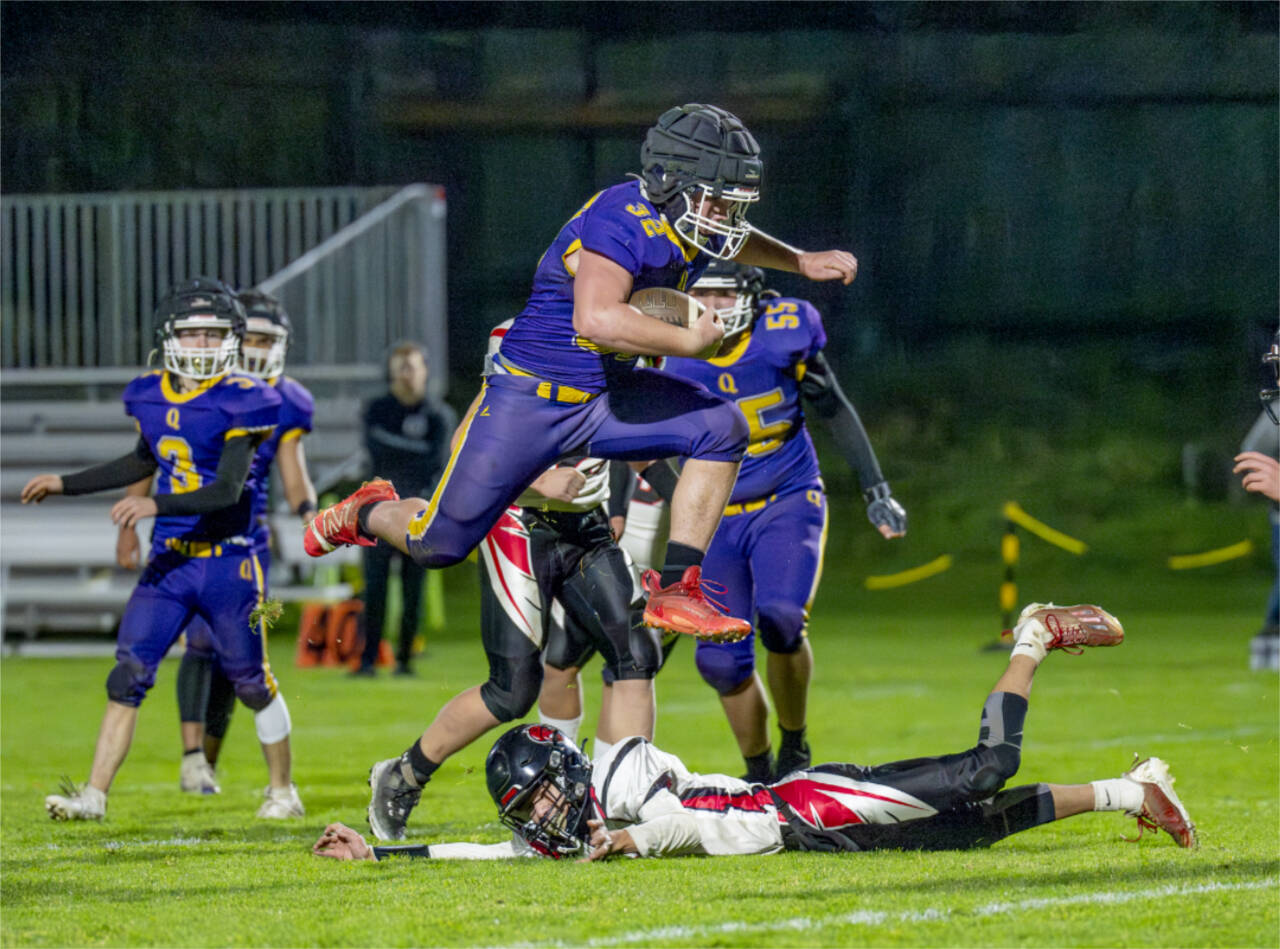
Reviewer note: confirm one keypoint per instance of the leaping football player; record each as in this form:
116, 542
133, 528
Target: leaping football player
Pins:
768, 550
568, 384
637, 800
206, 697
199, 424
553, 547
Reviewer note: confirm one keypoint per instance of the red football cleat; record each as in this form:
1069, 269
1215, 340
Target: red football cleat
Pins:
1067, 627
337, 525
684, 608
1161, 809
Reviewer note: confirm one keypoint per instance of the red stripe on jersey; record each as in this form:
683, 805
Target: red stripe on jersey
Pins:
713, 799
823, 805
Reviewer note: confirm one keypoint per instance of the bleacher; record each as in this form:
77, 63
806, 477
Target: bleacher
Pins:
58, 570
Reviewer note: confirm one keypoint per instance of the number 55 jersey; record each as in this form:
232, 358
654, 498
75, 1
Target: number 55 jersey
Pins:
761, 374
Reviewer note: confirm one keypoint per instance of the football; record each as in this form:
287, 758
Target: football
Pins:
670, 306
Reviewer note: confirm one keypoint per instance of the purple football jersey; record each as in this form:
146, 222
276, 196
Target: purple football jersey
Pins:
618, 223
762, 375
186, 432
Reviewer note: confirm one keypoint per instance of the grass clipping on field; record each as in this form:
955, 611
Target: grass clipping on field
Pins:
268, 612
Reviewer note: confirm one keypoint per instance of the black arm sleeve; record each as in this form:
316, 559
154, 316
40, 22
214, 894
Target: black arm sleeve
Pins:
125, 470
662, 478
622, 486
233, 469
821, 389
412, 851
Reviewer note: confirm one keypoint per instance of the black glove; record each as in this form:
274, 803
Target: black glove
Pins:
882, 509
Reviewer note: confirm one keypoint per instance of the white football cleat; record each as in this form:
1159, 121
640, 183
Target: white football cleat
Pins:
281, 803
197, 775
1161, 809
87, 803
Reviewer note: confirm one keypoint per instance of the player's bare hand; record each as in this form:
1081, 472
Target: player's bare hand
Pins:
127, 548
708, 330
605, 842
829, 265
40, 487
617, 525
1261, 473
560, 484
129, 510
342, 843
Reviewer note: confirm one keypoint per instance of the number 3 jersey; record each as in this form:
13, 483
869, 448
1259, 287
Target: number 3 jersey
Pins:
762, 374
186, 431
618, 223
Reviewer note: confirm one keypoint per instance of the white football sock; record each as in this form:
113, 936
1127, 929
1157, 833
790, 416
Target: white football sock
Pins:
1117, 794
1030, 637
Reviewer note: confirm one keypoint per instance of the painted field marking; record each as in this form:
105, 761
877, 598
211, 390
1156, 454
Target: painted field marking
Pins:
668, 934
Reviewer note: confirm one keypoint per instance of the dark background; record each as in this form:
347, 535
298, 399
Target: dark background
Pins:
1077, 177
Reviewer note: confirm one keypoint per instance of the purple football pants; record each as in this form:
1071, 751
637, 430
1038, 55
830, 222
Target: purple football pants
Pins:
770, 560
516, 434
173, 589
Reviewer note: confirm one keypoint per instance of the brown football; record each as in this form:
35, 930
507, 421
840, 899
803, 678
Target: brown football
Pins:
670, 306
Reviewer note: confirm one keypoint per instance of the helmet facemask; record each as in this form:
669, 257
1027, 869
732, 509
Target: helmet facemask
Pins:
264, 363
745, 284
721, 237
199, 362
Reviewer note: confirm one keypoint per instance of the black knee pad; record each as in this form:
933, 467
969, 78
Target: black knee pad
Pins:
255, 695
781, 626
128, 682
512, 687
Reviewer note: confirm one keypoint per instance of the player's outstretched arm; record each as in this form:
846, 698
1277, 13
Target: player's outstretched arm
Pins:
761, 250
822, 391
125, 470
299, 492
602, 315
1261, 473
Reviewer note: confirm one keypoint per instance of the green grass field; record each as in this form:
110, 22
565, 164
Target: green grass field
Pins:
900, 673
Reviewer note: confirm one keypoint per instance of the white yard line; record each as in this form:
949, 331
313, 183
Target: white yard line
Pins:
668, 934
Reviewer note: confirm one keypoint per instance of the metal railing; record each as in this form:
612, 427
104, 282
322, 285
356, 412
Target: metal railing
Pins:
80, 274
378, 280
